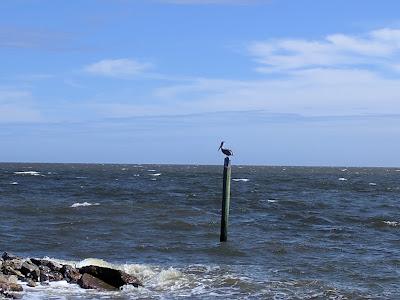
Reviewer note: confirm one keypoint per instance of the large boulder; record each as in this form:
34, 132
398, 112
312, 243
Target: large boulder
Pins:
15, 264
54, 266
113, 277
9, 256
88, 281
9, 283
70, 274
55, 276
30, 270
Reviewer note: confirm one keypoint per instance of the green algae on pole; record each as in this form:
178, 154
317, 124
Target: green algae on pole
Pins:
226, 195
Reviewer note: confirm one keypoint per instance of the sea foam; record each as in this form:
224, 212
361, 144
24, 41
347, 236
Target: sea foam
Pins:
241, 179
84, 204
32, 173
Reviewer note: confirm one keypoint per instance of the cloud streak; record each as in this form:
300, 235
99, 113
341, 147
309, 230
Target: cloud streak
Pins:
120, 68
379, 48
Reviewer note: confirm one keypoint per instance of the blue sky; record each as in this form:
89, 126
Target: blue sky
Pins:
283, 82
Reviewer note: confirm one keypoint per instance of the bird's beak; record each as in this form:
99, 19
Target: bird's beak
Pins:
219, 148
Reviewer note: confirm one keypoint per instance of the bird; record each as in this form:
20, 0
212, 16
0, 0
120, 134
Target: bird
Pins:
227, 152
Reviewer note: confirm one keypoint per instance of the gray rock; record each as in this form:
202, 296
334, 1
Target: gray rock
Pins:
8, 283
30, 270
31, 283
55, 276
71, 274
44, 273
7, 270
113, 277
54, 266
15, 264
88, 281
9, 256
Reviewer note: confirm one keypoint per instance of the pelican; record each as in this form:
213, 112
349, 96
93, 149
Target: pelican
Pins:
227, 152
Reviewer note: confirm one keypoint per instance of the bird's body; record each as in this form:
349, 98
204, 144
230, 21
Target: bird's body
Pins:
225, 151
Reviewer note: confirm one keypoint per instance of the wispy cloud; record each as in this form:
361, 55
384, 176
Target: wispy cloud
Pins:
379, 48
337, 75
123, 67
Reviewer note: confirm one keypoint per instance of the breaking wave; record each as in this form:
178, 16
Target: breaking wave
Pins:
32, 173
84, 204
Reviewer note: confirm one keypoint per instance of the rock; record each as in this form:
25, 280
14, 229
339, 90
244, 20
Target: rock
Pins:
31, 283
7, 270
9, 283
71, 274
9, 256
44, 273
15, 264
113, 277
88, 281
55, 276
30, 270
54, 266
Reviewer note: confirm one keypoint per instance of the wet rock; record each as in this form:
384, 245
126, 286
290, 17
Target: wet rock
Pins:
31, 283
55, 276
71, 274
44, 273
88, 281
7, 270
54, 266
9, 256
113, 277
15, 264
30, 270
9, 283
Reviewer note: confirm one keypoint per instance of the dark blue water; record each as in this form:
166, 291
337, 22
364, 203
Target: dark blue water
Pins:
295, 232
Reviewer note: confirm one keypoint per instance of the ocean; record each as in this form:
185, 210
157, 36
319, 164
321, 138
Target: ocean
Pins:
294, 232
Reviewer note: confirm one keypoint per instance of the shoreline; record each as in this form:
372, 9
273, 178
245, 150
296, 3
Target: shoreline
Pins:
34, 272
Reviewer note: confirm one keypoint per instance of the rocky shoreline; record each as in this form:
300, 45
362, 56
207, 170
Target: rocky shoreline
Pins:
34, 272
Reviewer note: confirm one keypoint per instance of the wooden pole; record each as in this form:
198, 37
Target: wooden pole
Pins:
226, 195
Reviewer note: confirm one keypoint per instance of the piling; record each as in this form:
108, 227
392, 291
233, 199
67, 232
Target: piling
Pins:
226, 195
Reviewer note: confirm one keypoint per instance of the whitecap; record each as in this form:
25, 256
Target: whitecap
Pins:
344, 170
156, 174
33, 173
372, 183
77, 204
80, 177
151, 170
392, 223
241, 179
342, 179
124, 169
14, 183
271, 201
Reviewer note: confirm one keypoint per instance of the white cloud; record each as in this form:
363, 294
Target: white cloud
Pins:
338, 75
379, 48
116, 67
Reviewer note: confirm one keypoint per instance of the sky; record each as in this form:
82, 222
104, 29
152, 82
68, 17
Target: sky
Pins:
282, 82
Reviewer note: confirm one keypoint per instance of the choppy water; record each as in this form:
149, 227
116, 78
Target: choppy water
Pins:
295, 233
